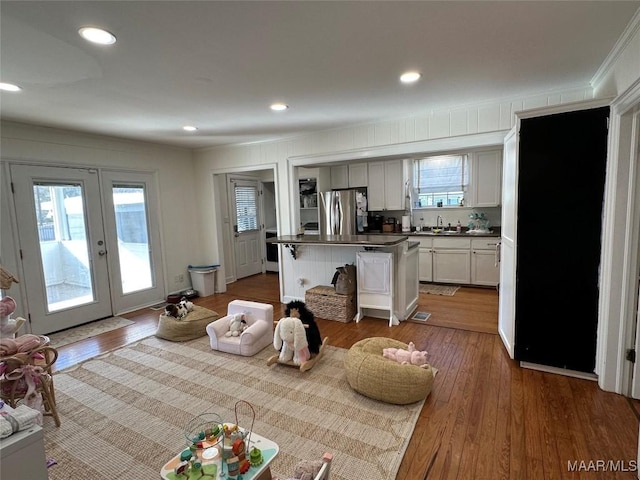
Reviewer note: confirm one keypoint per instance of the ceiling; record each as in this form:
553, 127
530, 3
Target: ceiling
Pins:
219, 65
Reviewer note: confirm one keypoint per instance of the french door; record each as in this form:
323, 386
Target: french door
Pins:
87, 247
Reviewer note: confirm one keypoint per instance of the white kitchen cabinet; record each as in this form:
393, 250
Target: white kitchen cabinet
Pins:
358, 175
386, 186
485, 261
452, 260
486, 177
339, 176
425, 260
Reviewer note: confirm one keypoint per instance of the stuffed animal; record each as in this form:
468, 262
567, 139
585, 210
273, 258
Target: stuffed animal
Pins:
176, 310
237, 325
411, 356
306, 470
299, 309
9, 326
188, 305
291, 339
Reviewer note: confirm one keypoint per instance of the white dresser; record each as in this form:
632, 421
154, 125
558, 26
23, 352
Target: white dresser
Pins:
22, 455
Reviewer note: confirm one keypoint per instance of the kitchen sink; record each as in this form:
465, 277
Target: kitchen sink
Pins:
440, 232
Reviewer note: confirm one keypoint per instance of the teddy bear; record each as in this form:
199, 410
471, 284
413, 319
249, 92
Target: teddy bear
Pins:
237, 325
411, 356
291, 339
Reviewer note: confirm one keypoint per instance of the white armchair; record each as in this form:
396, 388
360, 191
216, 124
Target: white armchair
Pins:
259, 332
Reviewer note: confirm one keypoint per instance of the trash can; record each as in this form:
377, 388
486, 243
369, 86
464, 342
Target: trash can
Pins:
203, 279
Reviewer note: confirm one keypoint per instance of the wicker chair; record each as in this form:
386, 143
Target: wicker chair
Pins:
29, 373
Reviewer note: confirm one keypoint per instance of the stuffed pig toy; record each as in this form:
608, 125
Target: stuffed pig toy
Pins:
411, 356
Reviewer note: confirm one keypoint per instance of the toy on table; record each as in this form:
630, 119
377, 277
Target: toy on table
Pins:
298, 338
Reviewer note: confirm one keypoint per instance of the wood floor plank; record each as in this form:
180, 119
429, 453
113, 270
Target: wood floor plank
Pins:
486, 418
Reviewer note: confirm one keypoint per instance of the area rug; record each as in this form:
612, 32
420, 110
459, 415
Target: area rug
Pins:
88, 330
125, 413
434, 289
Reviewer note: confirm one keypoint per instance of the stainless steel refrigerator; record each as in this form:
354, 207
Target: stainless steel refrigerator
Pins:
342, 212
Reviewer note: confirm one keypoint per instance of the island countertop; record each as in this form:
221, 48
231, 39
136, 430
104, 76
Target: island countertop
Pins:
365, 240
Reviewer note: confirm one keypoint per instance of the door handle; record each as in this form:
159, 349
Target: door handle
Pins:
236, 234
102, 253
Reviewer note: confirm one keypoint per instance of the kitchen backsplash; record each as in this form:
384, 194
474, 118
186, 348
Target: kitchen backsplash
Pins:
450, 215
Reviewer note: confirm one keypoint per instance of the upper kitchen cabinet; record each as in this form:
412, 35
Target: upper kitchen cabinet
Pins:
339, 176
386, 185
486, 177
349, 176
358, 175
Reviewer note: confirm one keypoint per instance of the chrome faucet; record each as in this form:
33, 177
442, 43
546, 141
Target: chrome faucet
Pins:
439, 222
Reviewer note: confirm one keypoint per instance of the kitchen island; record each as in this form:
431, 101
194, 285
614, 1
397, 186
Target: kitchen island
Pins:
307, 261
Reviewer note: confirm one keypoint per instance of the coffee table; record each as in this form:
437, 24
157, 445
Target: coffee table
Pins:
211, 459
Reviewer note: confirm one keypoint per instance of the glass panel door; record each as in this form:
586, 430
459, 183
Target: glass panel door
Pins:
132, 220
247, 233
64, 244
62, 241
133, 237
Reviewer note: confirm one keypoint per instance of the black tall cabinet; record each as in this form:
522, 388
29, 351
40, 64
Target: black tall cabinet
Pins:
561, 177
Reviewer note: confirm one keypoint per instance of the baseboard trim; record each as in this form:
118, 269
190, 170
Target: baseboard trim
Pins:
560, 371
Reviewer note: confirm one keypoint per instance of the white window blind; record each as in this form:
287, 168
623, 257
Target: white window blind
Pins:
246, 208
441, 174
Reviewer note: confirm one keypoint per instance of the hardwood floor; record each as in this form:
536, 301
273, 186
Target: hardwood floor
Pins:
486, 418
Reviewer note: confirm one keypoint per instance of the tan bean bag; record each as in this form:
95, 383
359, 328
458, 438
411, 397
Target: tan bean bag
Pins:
194, 325
374, 376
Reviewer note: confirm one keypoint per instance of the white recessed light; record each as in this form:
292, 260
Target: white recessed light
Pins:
97, 35
189, 128
278, 107
410, 77
9, 87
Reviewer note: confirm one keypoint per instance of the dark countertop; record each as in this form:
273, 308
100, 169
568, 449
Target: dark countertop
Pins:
370, 240
453, 234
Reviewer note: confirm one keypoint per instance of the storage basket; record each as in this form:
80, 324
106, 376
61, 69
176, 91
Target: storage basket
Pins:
325, 303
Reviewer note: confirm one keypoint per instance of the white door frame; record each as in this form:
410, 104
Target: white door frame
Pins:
620, 266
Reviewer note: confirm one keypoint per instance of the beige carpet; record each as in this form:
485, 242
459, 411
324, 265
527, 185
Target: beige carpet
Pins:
87, 330
434, 289
124, 413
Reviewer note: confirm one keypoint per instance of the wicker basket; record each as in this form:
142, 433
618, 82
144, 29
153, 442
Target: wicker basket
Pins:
325, 303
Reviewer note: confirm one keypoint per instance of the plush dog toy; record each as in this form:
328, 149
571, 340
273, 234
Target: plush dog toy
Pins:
186, 303
411, 356
299, 309
291, 339
176, 310
237, 325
